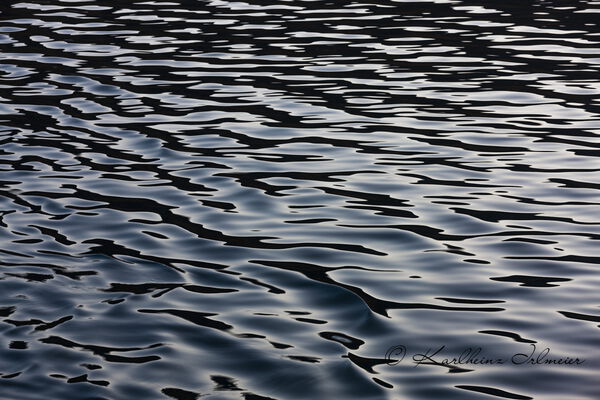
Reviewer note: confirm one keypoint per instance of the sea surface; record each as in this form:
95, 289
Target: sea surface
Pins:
257, 200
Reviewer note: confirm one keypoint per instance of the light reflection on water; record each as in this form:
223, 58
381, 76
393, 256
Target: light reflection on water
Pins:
232, 200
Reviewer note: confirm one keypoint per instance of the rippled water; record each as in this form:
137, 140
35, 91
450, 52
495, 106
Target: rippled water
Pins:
267, 200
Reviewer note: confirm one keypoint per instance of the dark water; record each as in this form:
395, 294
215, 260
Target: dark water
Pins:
266, 200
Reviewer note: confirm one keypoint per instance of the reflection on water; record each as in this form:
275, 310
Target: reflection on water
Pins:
256, 200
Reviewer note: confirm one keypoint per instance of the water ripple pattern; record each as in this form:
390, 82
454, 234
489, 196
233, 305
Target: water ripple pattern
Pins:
212, 199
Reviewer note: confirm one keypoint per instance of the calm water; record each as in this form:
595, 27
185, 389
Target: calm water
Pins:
281, 200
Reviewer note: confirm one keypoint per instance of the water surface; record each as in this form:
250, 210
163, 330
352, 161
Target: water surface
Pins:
266, 200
